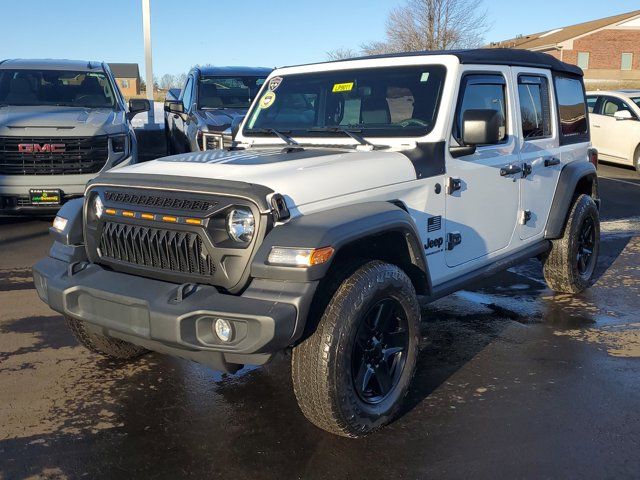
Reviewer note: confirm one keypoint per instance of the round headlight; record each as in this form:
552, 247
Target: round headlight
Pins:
98, 206
241, 225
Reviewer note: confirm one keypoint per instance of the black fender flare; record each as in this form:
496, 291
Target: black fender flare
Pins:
337, 228
570, 176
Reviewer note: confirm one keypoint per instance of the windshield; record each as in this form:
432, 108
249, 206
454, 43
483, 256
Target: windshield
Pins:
636, 100
56, 87
228, 92
383, 102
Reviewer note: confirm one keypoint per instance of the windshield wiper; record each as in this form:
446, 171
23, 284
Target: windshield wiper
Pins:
288, 140
347, 131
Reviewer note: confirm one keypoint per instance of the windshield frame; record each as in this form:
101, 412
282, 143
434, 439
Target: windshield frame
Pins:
71, 73
199, 105
330, 132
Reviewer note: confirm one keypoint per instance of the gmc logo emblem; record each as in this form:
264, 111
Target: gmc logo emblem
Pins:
44, 148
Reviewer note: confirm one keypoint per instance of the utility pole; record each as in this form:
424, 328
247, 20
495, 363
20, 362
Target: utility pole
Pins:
148, 65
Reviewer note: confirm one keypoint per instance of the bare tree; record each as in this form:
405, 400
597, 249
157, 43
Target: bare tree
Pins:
342, 54
167, 81
432, 25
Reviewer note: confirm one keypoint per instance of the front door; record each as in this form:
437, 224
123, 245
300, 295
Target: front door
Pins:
539, 149
482, 198
617, 135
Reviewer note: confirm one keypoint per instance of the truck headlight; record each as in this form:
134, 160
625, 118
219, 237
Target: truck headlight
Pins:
241, 225
98, 206
120, 143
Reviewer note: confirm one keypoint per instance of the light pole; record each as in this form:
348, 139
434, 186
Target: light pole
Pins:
148, 65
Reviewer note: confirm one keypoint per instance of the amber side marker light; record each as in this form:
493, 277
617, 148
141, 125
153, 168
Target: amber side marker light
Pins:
193, 221
167, 218
299, 257
110, 211
147, 216
128, 214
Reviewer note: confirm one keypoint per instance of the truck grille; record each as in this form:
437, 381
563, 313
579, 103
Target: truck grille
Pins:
81, 155
169, 250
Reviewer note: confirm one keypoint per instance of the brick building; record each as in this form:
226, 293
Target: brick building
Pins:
127, 77
608, 49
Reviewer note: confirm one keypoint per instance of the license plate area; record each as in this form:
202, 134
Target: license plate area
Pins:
45, 196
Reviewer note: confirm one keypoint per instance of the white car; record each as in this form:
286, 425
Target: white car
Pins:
615, 125
354, 188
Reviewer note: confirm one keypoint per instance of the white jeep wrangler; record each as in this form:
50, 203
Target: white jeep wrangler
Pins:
355, 188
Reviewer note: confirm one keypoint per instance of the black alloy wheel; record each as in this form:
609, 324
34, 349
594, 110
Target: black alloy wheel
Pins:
379, 352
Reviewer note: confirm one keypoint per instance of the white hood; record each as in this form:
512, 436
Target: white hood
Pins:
302, 177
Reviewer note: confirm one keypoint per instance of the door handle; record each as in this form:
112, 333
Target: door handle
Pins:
176, 116
510, 170
551, 161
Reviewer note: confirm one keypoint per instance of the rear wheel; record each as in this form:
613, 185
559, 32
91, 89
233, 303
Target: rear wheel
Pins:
636, 159
351, 375
109, 347
571, 263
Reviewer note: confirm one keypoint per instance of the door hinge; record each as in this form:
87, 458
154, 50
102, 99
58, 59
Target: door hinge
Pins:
525, 216
453, 240
453, 184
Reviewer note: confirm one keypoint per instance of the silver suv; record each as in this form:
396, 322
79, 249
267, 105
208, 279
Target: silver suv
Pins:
61, 123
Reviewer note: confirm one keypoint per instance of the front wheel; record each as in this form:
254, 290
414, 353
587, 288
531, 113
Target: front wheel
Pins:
351, 375
571, 263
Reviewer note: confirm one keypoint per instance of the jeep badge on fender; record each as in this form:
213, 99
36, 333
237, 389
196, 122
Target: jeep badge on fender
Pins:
322, 223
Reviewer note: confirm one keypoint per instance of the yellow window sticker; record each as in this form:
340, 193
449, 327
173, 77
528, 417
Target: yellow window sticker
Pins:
267, 100
342, 87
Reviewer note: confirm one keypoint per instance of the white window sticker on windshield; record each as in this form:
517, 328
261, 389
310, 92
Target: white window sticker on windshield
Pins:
424, 77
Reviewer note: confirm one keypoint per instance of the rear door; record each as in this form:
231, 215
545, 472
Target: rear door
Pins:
539, 148
482, 209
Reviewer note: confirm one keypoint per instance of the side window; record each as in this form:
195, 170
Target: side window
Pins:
481, 92
533, 92
592, 103
611, 105
187, 94
572, 109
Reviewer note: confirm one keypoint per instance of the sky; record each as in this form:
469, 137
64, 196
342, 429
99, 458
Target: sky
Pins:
265, 33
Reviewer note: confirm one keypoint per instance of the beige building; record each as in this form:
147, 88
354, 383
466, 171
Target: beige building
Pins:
607, 49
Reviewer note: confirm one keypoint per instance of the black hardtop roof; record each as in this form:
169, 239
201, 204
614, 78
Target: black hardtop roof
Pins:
230, 71
490, 56
51, 64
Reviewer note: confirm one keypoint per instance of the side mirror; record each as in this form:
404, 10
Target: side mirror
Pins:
235, 125
138, 105
174, 106
479, 127
623, 115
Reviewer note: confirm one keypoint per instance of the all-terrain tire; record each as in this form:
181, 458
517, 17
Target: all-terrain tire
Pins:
322, 365
109, 347
562, 270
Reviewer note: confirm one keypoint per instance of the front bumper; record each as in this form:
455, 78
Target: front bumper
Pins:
154, 315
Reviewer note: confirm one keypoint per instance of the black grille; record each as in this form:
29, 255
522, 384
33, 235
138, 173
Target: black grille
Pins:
80, 155
159, 201
181, 252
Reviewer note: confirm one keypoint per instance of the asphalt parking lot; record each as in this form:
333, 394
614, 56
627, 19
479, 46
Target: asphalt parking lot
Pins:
512, 382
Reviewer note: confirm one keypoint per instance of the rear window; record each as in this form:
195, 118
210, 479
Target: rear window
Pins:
56, 87
572, 110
